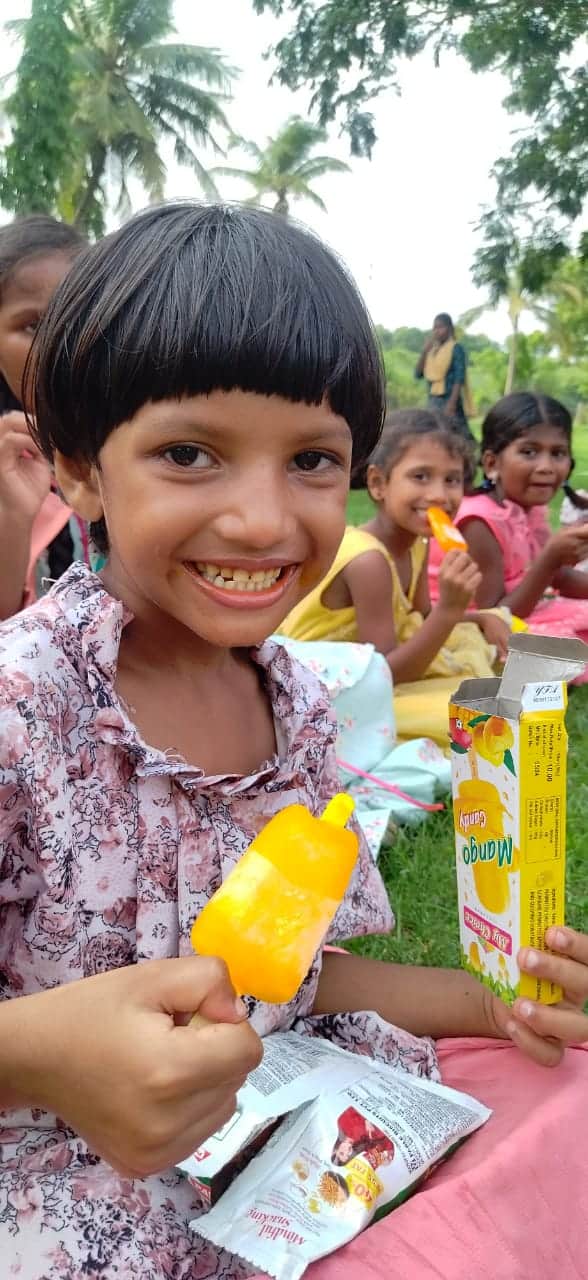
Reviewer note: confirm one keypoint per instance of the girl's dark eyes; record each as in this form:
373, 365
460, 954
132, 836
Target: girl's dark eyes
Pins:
187, 455
313, 460
558, 454
193, 457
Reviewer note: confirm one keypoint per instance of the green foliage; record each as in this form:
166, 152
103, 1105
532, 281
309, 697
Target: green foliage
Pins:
410, 339
487, 373
128, 88
286, 166
347, 51
40, 110
566, 296
403, 390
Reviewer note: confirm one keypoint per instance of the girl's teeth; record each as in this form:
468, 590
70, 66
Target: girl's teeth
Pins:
238, 579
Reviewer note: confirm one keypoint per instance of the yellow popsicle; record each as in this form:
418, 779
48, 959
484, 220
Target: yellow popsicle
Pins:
271, 914
444, 531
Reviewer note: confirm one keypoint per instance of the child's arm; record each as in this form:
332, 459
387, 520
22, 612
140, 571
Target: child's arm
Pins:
24, 484
369, 582
111, 1055
565, 547
448, 1002
572, 583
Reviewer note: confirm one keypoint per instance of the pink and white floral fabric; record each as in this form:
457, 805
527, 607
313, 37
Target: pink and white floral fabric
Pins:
108, 851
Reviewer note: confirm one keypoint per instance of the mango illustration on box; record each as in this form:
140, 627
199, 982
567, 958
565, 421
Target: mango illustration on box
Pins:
508, 749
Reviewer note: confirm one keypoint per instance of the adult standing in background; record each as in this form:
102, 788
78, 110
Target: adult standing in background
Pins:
443, 363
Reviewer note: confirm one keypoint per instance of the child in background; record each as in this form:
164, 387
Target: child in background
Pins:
39, 535
526, 458
211, 371
376, 589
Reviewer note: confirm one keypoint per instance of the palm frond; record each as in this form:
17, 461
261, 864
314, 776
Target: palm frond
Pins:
134, 23
198, 108
16, 28
230, 171
189, 60
317, 166
304, 192
185, 122
140, 156
185, 155
473, 315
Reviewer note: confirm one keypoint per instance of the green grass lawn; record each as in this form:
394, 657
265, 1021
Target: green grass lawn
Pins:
419, 867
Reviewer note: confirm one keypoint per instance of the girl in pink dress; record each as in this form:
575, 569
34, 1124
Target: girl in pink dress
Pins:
526, 457
205, 377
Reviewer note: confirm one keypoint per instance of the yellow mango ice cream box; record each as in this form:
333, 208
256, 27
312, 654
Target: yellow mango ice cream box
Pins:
509, 751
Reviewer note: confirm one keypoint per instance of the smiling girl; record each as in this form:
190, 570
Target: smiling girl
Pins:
205, 377
526, 457
376, 591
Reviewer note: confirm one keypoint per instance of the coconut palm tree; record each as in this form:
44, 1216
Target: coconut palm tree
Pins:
520, 300
285, 167
133, 90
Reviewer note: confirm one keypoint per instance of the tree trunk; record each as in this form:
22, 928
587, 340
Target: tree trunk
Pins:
84, 203
512, 358
281, 206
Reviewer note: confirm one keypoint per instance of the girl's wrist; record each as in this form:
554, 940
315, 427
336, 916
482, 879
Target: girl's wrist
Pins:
451, 613
27, 1052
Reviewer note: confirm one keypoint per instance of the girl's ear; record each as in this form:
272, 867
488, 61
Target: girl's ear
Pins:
375, 482
78, 480
490, 465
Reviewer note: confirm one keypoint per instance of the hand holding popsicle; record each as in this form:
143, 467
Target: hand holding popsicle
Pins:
112, 1056
459, 580
271, 914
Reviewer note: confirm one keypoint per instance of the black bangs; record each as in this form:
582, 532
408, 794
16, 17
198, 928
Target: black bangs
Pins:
187, 299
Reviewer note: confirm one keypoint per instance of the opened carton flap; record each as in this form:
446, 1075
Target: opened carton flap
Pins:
530, 659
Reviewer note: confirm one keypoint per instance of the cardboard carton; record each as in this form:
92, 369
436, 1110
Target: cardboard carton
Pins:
509, 748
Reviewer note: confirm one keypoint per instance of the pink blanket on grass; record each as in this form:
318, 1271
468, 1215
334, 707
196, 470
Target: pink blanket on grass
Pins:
512, 1203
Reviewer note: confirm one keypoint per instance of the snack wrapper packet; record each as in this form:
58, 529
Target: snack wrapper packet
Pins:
337, 1164
294, 1070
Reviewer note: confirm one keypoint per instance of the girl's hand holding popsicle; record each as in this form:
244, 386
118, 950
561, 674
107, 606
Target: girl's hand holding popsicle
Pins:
111, 1056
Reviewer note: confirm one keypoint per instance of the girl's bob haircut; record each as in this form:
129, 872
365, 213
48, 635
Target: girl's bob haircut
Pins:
186, 299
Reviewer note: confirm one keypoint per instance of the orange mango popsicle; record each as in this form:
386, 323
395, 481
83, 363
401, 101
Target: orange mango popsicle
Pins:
271, 914
444, 531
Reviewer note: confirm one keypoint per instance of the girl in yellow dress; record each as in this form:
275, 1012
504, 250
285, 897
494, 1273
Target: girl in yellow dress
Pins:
376, 590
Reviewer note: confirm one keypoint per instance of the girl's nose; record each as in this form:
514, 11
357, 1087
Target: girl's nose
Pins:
437, 497
259, 518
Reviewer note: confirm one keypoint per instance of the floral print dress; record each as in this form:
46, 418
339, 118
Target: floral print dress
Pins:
108, 850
